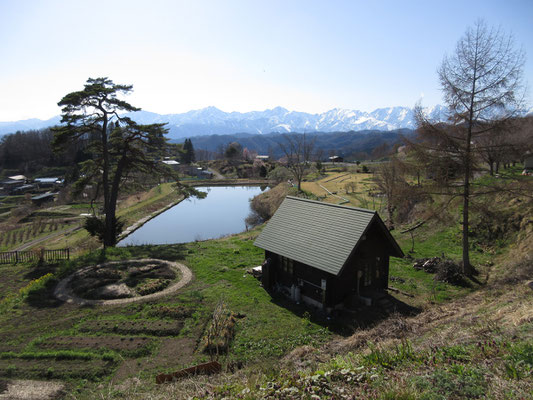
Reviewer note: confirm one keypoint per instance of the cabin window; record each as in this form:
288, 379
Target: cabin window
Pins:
287, 265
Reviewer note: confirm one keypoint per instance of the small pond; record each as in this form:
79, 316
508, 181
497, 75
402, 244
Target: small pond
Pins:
221, 213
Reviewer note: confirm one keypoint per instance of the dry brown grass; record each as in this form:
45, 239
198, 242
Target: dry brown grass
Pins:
469, 319
336, 183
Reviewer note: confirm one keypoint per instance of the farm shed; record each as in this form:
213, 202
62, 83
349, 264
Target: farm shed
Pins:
335, 159
326, 254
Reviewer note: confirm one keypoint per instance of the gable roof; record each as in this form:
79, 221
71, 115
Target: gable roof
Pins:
319, 234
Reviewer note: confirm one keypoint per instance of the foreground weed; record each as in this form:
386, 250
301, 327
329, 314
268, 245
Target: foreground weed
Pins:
390, 358
463, 382
519, 363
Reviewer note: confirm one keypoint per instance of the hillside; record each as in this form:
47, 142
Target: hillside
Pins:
438, 340
477, 343
358, 145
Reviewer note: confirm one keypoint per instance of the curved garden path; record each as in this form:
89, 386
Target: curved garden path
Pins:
63, 292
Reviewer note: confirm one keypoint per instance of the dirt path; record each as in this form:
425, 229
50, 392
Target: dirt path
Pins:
132, 228
35, 242
216, 174
340, 197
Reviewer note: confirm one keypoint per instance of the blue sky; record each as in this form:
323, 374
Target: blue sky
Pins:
240, 55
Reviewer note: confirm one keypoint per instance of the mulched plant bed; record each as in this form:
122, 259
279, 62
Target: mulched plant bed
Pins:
59, 369
122, 280
117, 343
149, 327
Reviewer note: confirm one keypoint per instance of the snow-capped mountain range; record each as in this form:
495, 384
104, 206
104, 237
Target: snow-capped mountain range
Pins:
211, 120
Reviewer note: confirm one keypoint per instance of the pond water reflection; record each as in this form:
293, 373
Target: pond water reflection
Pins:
221, 212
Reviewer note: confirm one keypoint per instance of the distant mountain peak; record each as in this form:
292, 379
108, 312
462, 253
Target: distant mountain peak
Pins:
211, 120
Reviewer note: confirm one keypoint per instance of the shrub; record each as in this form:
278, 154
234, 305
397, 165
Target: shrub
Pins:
265, 204
96, 227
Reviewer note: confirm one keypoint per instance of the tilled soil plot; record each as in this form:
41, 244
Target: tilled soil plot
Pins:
30, 390
118, 343
148, 327
53, 368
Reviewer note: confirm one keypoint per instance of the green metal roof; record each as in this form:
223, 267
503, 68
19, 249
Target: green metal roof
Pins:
318, 234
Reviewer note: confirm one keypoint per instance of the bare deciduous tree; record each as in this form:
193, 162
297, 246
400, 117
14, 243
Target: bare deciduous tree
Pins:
390, 180
482, 86
298, 150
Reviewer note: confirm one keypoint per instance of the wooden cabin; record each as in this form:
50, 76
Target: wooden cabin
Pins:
325, 254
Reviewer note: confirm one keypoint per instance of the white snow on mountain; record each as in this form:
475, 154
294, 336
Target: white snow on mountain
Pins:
211, 120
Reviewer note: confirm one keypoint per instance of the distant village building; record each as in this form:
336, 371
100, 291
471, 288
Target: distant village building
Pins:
23, 189
326, 255
48, 182
262, 158
335, 159
194, 171
17, 178
9, 185
171, 163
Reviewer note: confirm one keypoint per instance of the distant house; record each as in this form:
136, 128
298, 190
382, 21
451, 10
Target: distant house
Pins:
262, 158
7, 186
12, 183
205, 174
23, 189
171, 163
194, 171
325, 254
18, 178
335, 159
48, 182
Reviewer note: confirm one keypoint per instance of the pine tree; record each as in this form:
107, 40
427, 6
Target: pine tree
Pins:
118, 145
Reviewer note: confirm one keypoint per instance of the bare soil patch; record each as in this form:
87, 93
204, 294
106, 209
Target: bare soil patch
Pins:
117, 343
30, 390
55, 369
173, 354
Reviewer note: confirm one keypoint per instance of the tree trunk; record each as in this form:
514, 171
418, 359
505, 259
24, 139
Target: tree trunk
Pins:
108, 211
111, 233
390, 212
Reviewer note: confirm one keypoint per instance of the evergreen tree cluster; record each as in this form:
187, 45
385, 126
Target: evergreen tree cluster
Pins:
188, 152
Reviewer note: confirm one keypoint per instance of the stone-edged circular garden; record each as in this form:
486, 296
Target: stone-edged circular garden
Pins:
120, 282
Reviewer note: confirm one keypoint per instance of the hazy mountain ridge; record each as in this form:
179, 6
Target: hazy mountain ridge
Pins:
352, 145
212, 121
